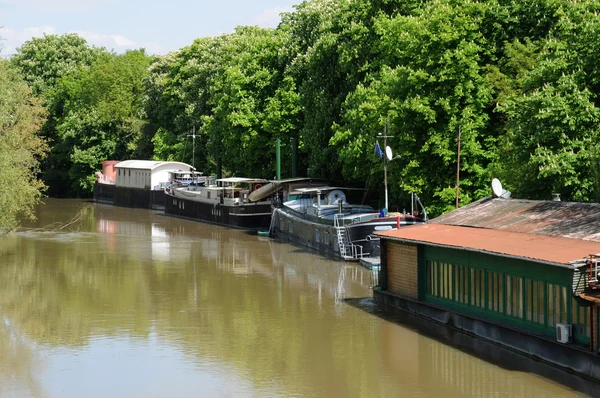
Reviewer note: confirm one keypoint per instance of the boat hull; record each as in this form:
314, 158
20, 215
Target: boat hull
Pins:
324, 237
129, 197
315, 235
244, 216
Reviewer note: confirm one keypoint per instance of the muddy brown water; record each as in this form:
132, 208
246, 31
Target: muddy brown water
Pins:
102, 301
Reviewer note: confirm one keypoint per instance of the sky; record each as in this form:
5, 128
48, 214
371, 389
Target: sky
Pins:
159, 26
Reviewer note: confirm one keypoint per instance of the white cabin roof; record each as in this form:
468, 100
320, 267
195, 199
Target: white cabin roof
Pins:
317, 189
149, 164
242, 179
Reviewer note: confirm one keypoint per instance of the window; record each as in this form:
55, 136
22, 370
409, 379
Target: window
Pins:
431, 277
327, 238
535, 299
514, 296
478, 287
461, 284
580, 318
557, 304
290, 227
317, 236
495, 292
448, 282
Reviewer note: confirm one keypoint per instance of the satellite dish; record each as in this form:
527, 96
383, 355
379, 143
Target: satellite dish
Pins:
388, 152
497, 188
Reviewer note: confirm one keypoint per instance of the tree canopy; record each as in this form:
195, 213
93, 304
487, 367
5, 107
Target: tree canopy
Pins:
516, 80
21, 117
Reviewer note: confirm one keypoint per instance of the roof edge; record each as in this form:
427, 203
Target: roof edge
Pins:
497, 254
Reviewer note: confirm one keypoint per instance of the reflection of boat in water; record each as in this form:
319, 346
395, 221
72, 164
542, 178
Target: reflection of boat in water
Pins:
223, 201
321, 217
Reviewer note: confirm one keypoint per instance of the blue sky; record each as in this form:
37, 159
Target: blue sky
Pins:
159, 26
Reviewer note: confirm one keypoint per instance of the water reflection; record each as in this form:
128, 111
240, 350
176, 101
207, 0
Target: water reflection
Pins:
129, 302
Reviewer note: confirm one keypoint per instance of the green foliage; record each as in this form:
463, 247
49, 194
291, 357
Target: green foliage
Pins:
553, 123
44, 60
517, 79
432, 85
231, 89
21, 116
102, 116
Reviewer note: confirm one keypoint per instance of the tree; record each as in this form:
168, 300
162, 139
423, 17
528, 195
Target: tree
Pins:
102, 117
44, 60
21, 116
553, 118
431, 82
43, 63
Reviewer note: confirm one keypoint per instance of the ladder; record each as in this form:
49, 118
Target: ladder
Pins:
272, 224
348, 251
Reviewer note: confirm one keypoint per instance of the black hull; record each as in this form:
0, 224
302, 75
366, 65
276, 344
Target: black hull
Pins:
129, 197
246, 216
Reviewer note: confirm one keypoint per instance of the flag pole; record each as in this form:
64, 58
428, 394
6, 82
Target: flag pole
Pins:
385, 168
385, 182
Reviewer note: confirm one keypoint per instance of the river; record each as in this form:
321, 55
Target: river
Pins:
102, 301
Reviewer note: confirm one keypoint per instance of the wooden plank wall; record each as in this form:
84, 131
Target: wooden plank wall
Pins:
402, 265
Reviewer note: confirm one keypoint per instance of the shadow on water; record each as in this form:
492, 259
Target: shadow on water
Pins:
489, 352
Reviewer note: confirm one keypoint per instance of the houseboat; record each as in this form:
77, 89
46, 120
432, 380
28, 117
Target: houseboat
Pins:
136, 183
220, 201
518, 273
320, 217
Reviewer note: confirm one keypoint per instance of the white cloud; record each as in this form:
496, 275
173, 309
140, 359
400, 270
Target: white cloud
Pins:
14, 39
116, 42
59, 5
269, 18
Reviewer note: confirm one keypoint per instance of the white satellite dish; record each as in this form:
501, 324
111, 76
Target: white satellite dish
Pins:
497, 188
388, 152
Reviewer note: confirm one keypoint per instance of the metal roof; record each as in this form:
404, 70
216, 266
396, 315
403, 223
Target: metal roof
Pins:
549, 218
149, 164
546, 249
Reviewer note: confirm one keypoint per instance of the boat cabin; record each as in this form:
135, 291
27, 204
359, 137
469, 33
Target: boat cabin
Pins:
325, 203
230, 191
146, 174
187, 178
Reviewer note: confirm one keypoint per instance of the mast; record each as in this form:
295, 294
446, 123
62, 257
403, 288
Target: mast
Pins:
193, 135
385, 137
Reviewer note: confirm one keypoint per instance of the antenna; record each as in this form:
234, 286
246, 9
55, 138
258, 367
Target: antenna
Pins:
193, 135
388, 155
497, 187
498, 191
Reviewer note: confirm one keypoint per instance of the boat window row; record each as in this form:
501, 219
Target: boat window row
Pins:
536, 303
322, 239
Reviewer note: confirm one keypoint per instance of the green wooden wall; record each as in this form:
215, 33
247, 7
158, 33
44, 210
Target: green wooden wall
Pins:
523, 294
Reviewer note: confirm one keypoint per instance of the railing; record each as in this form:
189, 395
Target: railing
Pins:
348, 250
108, 181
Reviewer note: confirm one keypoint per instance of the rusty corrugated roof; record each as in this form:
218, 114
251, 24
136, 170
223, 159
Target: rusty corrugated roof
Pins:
565, 219
548, 249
